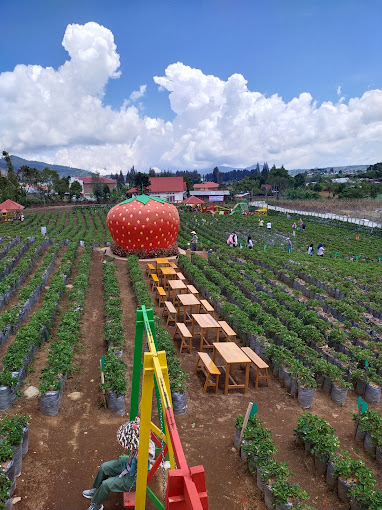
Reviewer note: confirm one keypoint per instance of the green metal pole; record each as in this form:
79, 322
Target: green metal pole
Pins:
154, 499
137, 365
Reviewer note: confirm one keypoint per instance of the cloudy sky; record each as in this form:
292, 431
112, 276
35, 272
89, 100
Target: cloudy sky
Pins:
180, 84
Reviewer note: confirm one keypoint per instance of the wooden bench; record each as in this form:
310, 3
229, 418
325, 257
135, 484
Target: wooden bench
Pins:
170, 309
185, 335
192, 290
206, 307
150, 269
173, 265
154, 281
180, 276
209, 369
161, 296
228, 331
259, 364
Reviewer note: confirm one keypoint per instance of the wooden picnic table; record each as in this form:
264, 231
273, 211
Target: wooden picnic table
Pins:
232, 355
167, 273
187, 301
206, 323
176, 287
161, 262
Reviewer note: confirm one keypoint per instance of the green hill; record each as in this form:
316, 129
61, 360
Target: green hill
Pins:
63, 171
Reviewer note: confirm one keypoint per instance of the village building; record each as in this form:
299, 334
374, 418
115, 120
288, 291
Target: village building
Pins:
172, 189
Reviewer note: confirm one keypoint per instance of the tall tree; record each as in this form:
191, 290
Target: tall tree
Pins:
142, 183
216, 174
12, 177
97, 185
75, 190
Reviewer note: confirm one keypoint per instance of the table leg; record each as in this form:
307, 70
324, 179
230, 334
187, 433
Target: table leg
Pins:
193, 327
217, 334
226, 379
246, 377
201, 339
214, 354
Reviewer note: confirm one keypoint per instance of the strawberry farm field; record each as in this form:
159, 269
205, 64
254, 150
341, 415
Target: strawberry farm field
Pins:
316, 321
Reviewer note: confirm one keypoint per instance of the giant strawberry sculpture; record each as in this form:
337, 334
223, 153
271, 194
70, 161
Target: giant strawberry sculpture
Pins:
143, 223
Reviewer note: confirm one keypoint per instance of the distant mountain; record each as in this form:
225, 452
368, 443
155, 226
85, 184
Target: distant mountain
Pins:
62, 171
293, 172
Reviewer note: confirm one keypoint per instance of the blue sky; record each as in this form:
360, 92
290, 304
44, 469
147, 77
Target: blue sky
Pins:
294, 56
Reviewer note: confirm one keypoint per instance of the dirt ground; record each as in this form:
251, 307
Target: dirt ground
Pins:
65, 451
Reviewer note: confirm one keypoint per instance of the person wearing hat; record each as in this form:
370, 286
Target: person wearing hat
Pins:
119, 475
289, 245
194, 241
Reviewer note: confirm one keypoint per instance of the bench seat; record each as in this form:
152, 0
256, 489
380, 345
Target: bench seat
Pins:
207, 307
185, 335
228, 331
209, 369
161, 296
259, 364
171, 311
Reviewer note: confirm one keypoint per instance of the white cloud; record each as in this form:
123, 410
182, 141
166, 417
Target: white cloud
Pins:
136, 94
58, 115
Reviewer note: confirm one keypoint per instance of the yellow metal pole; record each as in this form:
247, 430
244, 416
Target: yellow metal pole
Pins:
144, 432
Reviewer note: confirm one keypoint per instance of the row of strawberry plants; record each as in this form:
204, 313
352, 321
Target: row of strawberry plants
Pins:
13, 256
115, 383
10, 283
257, 449
61, 350
8, 245
11, 319
355, 483
369, 431
29, 338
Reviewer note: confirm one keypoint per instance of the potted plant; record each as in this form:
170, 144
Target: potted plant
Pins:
306, 386
5, 492
12, 428
365, 499
288, 495
7, 464
340, 389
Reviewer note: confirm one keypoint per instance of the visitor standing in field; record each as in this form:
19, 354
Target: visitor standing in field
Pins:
310, 250
294, 226
289, 245
194, 241
230, 240
269, 225
320, 250
249, 242
261, 223
234, 238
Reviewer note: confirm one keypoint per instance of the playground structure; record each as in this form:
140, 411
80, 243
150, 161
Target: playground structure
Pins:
186, 487
261, 211
240, 208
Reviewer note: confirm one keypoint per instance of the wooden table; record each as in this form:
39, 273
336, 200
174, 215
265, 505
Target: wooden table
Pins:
232, 355
167, 273
206, 323
161, 262
176, 287
187, 301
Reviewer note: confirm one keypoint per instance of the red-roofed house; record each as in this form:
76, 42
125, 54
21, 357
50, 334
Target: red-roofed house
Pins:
172, 189
206, 186
210, 192
87, 184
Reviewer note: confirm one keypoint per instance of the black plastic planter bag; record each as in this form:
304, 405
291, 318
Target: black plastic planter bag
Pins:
268, 497
5, 398
331, 479
372, 394
179, 403
368, 444
50, 403
343, 490
18, 457
338, 394
305, 397
378, 455
116, 403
